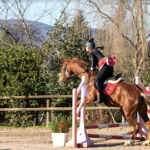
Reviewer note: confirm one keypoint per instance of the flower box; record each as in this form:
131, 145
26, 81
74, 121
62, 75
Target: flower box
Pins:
59, 139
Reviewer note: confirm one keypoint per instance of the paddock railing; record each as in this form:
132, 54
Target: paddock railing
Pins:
48, 108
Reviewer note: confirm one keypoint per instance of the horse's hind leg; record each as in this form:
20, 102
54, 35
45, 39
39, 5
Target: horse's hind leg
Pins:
122, 112
131, 121
143, 113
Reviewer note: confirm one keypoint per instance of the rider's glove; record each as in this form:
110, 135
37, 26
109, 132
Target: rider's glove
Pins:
92, 69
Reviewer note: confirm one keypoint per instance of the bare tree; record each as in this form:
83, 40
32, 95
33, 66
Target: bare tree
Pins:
21, 30
128, 20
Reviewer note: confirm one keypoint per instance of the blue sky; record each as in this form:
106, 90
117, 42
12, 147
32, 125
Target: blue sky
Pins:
53, 6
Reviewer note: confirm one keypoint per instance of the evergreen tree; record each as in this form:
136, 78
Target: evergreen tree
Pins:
80, 25
64, 42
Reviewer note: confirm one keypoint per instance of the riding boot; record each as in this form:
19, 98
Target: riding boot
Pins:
100, 91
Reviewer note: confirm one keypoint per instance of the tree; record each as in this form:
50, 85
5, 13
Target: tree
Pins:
80, 25
19, 28
135, 13
64, 43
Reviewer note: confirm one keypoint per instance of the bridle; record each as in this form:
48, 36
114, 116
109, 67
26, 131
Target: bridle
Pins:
66, 69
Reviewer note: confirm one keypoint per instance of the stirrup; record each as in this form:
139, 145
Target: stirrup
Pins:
97, 101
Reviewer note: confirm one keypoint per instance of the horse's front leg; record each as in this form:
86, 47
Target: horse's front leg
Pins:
87, 102
78, 103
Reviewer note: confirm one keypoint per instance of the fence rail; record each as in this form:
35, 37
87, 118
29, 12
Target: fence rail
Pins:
55, 109
38, 97
48, 108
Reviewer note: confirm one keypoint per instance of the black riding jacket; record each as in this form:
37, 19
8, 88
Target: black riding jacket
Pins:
95, 56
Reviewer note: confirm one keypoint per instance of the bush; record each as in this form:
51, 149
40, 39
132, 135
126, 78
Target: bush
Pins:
118, 116
21, 76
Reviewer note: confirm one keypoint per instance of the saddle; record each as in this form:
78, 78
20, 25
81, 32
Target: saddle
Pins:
110, 84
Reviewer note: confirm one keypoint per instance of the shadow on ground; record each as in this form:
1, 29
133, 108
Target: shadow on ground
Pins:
5, 149
137, 143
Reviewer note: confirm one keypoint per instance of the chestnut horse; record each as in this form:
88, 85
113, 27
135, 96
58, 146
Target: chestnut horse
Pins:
128, 96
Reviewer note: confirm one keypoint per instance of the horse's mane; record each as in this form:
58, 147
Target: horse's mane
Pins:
81, 63
84, 65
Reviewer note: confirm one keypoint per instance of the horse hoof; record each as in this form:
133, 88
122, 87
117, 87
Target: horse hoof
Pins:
129, 143
146, 143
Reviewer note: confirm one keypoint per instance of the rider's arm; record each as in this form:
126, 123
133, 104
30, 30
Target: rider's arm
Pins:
93, 61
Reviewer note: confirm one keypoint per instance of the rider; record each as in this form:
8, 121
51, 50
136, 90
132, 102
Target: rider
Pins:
105, 66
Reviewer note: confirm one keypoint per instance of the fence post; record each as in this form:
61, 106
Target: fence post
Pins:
123, 119
50, 113
47, 122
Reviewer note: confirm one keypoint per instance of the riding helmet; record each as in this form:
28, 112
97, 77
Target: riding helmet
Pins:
90, 43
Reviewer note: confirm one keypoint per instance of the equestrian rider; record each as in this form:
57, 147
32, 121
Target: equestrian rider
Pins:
105, 66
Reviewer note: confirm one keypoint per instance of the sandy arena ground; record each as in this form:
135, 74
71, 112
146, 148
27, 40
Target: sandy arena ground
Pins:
41, 139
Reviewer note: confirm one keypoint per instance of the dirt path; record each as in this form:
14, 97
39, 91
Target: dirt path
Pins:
41, 139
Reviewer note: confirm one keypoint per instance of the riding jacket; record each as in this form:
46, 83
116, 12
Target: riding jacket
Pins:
98, 59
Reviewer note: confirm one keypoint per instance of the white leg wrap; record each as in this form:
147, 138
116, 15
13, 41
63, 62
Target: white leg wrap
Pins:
129, 143
146, 143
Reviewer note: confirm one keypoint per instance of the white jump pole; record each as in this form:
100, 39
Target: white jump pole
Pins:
143, 130
81, 139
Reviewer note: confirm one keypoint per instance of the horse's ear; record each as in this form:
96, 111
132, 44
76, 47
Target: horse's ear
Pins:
62, 60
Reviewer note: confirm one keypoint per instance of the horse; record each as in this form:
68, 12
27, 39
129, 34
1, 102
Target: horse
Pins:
128, 96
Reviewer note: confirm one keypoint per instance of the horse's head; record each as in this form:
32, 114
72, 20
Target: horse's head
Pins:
65, 72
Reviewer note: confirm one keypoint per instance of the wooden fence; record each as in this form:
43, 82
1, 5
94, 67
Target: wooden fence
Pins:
49, 102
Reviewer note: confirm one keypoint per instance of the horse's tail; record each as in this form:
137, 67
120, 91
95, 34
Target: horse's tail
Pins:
144, 95
146, 98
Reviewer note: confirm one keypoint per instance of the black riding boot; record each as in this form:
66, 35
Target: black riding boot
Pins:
100, 91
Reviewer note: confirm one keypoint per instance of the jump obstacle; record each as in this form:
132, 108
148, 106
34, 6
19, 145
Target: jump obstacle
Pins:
81, 138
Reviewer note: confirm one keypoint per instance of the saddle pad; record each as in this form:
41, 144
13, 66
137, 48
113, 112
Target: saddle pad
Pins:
109, 89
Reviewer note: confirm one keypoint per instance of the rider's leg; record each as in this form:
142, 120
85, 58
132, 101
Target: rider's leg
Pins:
98, 82
100, 91
103, 74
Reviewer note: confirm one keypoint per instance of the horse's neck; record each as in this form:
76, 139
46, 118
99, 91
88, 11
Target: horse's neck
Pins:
79, 72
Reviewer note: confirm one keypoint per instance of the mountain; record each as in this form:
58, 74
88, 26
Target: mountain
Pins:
42, 26
42, 32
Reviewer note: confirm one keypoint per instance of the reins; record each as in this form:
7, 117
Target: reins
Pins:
78, 74
71, 75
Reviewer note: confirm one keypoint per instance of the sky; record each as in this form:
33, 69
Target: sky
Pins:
53, 6
53, 9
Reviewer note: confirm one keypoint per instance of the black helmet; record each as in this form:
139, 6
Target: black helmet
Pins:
90, 43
